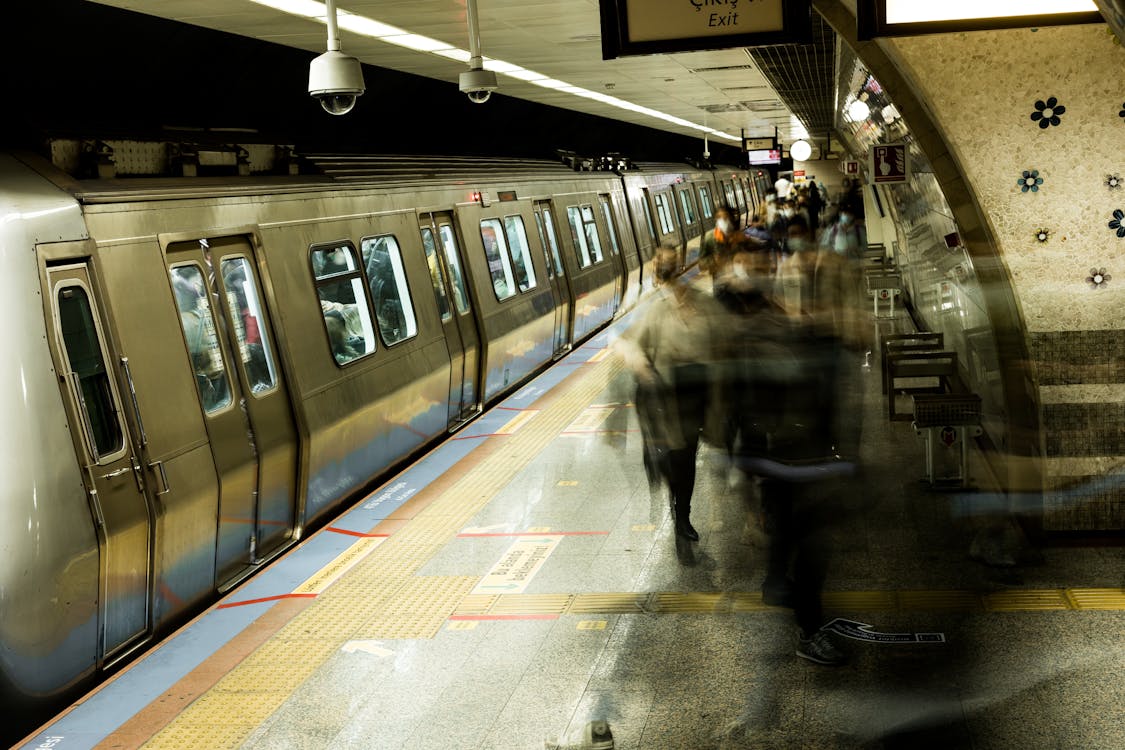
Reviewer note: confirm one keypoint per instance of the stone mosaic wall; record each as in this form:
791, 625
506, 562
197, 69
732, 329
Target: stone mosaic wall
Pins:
1037, 122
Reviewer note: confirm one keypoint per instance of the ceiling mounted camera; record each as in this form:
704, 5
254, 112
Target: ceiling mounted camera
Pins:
335, 79
477, 84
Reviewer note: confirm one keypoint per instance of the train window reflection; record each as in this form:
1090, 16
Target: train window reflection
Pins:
578, 235
249, 324
543, 244
84, 354
663, 213
552, 240
347, 316
705, 204
610, 224
592, 239
499, 264
689, 210
394, 309
449, 246
201, 336
521, 253
437, 277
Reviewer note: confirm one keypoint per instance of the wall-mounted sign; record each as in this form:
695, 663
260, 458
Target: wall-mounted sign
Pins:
764, 156
889, 163
910, 17
648, 27
850, 167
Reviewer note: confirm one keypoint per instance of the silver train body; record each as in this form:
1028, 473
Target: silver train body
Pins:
198, 369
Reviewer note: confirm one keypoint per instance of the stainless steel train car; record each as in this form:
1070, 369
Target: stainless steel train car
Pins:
200, 369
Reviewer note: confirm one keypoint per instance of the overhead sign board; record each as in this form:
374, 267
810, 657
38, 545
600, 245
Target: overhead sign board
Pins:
764, 157
759, 144
648, 27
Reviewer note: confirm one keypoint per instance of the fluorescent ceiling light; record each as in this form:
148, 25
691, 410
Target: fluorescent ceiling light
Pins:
912, 11
459, 55
365, 26
416, 42
306, 8
526, 75
499, 66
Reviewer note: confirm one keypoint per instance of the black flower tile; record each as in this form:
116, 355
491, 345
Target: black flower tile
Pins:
1047, 112
1098, 278
1112, 181
1118, 222
1122, 112
1030, 181
1042, 235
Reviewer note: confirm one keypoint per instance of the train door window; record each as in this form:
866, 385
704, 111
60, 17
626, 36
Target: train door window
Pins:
689, 209
648, 214
499, 264
249, 324
347, 314
550, 239
437, 277
386, 278
610, 224
200, 333
739, 195
522, 266
663, 213
728, 191
705, 204
453, 259
574, 213
82, 341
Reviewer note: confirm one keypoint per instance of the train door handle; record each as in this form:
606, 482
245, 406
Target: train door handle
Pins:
119, 472
158, 467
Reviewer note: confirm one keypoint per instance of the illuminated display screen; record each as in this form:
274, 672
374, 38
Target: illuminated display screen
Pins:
769, 156
912, 11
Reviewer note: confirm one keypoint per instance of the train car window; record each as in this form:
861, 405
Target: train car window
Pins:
249, 324
386, 278
521, 252
499, 264
437, 277
705, 204
453, 259
84, 354
347, 314
648, 215
609, 222
574, 214
663, 213
689, 209
739, 195
728, 191
543, 243
200, 334
593, 241
551, 243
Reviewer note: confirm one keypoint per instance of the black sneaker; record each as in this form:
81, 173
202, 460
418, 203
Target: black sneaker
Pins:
820, 649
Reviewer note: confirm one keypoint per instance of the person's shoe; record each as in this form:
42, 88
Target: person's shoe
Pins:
686, 530
820, 649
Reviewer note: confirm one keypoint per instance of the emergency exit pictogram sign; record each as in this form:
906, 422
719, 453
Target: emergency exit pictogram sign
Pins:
889, 163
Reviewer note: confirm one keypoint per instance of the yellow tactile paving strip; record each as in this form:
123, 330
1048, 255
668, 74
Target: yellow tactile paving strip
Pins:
1028, 600
381, 579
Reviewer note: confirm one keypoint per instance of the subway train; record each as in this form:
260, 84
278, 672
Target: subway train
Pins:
203, 368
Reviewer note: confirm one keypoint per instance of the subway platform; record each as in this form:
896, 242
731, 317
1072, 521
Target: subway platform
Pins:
521, 587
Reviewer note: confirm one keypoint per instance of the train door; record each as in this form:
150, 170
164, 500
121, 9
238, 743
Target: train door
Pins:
460, 326
109, 455
560, 286
615, 251
244, 397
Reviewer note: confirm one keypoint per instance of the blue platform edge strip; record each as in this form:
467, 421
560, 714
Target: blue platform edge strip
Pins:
95, 717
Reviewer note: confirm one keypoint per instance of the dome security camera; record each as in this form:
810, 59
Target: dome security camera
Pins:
477, 84
336, 80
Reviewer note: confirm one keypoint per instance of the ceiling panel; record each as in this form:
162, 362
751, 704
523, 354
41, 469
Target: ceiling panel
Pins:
560, 39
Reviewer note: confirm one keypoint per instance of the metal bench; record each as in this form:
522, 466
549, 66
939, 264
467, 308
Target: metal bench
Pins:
901, 343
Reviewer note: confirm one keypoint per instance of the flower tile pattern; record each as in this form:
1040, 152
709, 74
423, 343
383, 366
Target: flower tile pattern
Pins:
1047, 112
1098, 278
1030, 181
1118, 222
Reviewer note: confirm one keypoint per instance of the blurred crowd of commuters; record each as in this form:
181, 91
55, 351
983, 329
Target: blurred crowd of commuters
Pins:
760, 360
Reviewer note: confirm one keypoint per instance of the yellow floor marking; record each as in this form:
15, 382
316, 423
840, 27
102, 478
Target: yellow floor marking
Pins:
462, 625
377, 577
599, 355
568, 483
643, 527
331, 572
589, 420
592, 625
517, 422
